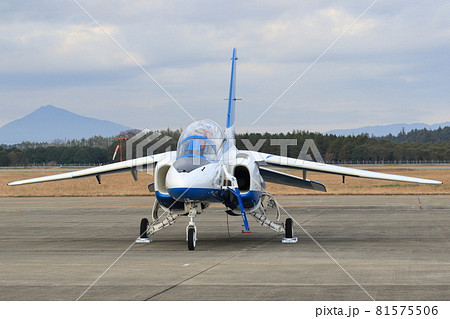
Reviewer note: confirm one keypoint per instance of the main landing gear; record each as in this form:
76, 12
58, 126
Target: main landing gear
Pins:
288, 228
269, 206
143, 228
192, 209
146, 229
289, 232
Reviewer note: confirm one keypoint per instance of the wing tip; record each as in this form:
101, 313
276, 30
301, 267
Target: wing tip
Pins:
319, 186
17, 183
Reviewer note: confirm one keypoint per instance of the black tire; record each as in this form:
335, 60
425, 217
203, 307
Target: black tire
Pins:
289, 228
143, 229
191, 238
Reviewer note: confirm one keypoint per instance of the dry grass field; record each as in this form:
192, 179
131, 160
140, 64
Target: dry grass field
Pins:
123, 184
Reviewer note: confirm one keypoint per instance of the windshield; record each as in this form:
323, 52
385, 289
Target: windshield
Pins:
202, 139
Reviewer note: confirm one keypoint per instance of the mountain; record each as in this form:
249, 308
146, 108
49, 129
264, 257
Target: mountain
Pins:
49, 123
383, 130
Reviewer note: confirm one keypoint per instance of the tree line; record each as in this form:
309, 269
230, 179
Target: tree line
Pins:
417, 145
441, 135
335, 149
53, 155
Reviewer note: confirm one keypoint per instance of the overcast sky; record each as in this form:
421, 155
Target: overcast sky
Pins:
392, 66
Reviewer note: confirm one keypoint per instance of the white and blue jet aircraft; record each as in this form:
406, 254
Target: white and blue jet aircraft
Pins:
207, 167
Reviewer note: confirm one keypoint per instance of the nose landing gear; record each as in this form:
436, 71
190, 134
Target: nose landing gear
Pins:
191, 229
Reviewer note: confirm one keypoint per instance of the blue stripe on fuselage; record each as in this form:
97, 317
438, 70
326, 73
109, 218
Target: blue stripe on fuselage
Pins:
168, 201
249, 199
196, 194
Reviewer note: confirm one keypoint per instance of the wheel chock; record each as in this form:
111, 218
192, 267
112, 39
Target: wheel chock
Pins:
289, 240
143, 240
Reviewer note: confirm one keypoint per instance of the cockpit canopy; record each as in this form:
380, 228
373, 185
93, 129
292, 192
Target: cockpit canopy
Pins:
202, 138
199, 144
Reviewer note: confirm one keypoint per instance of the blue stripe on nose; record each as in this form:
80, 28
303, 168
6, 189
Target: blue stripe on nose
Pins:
200, 194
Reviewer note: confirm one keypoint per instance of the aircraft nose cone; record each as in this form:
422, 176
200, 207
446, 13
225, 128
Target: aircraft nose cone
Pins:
197, 185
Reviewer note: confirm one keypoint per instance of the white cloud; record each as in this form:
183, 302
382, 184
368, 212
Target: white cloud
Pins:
40, 47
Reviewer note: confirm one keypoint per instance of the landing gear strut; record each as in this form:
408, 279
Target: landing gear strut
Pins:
269, 204
146, 229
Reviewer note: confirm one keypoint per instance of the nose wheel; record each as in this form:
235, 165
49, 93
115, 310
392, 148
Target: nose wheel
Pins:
192, 237
191, 229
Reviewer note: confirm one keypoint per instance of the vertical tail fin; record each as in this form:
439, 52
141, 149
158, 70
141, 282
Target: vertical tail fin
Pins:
232, 98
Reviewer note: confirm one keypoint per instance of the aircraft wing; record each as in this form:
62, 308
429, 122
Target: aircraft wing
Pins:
129, 165
273, 176
282, 161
